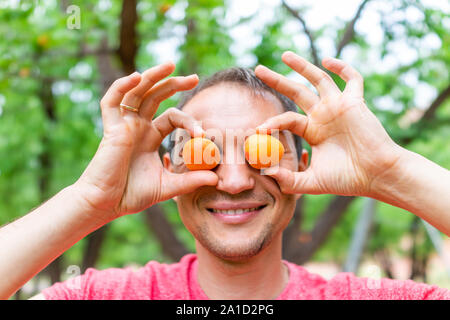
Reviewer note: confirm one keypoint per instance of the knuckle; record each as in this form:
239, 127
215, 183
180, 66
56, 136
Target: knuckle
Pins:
291, 114
133, 96
172, 112
117, 83
325, 76
173, 81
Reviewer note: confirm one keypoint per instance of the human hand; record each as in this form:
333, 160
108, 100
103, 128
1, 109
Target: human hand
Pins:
351, 150
126, 174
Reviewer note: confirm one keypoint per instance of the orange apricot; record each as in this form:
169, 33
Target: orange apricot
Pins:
263, 150
201, 154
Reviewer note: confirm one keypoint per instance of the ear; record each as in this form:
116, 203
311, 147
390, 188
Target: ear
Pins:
167, 163
303, 161
302, 166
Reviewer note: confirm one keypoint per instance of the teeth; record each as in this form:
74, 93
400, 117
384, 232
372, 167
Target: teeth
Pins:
233, 212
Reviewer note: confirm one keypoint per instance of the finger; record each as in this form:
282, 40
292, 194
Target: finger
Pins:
319, 78
163, 91
173, 118
114, 95
300, 94
292, 181
354, 80
151, 76
174, 184
292, 121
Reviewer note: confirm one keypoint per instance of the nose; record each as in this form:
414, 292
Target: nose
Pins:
234, 174
234, 178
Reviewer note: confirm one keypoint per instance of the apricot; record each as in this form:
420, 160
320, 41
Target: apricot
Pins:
164, 8
263, 150
201, 154
42, 40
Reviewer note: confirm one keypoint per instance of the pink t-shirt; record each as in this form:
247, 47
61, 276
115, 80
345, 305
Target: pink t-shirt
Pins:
178, 281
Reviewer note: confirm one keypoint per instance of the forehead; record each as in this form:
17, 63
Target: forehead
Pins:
232, 106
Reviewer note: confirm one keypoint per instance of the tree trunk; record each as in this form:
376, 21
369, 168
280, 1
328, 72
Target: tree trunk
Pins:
360, 235
309, 243
53, 270
128, 36
385, 261
127, 54
419, 260
93, 246
292, 236
171, 246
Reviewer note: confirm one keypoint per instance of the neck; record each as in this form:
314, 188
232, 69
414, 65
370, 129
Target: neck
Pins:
261, 277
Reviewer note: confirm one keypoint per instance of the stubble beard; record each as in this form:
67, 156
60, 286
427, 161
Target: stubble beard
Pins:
245, 250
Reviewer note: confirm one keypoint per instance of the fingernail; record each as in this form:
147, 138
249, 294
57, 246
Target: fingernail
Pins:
134, 74
288, 54
262, 125
260, 66
263, 129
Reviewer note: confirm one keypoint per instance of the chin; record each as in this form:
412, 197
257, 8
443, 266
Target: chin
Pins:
239, 250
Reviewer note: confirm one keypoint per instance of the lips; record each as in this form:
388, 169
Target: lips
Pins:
235, 212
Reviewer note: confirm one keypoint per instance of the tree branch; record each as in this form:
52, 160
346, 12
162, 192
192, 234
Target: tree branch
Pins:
350, 30
163, 230
325, 223
431, 111
308, 33
428, 115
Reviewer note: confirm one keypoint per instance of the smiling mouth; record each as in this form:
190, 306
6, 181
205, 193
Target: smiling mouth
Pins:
233, 212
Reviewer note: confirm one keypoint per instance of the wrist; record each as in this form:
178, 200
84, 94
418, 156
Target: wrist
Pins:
94, 215
388, 185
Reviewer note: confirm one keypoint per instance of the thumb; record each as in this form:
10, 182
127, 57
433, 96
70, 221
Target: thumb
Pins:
292, 181
174, 184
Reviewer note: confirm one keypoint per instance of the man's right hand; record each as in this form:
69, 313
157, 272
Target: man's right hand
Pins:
126, 174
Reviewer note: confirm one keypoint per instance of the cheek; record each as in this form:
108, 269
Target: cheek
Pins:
186, 211
286, 210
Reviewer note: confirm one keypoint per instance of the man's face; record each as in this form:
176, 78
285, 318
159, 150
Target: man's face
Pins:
260, 211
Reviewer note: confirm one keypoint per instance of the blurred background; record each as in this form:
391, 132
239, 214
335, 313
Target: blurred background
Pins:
57, 58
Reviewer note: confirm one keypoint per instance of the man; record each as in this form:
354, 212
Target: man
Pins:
236, 213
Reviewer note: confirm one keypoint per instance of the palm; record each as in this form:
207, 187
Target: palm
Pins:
144, 182
348, 146
126, 174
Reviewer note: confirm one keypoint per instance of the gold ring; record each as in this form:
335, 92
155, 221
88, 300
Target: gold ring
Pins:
130, 108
